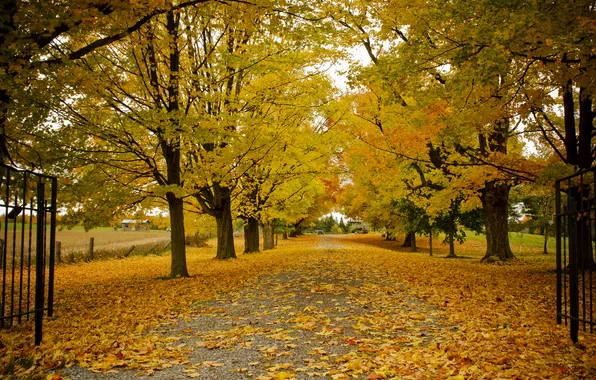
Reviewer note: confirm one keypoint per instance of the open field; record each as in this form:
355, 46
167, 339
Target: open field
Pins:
359, 306
75, 242
108, 240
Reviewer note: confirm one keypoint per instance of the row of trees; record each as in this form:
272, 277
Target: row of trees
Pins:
461, 102
223, 108
210, 107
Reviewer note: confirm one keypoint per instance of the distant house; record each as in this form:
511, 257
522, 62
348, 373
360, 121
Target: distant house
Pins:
517, 214
135, 225
357, 225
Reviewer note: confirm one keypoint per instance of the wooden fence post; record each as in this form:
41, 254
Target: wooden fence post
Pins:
129, 251
90, 256
59, 252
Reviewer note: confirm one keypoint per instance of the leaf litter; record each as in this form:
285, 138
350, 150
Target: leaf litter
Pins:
308, 310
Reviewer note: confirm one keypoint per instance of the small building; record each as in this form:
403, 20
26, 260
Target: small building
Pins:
135, 225
357, 225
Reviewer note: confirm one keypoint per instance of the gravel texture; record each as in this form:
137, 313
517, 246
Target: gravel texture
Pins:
313, 321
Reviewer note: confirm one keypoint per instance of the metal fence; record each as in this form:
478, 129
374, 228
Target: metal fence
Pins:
27, 240
576, 234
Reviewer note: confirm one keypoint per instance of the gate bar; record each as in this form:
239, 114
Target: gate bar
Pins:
558, 249
573, 275
53, 211
4, 252
39, 263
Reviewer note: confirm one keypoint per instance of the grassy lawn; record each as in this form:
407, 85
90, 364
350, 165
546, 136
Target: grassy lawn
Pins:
523, 245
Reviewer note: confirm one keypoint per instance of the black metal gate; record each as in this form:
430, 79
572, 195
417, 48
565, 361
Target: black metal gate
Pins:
27, 240
576, 234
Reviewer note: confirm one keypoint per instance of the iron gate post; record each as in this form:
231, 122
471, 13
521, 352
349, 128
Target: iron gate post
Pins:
573, 275
52, 247
39, 263
558, 223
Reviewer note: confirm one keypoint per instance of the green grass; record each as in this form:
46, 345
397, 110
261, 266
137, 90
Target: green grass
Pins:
524, 246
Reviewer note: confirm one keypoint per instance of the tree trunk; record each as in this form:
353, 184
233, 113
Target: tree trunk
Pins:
251, 235
569, 122
413, 247
407, 240
451, 236
4, 104
545, 251
225, 229
268, 241
178, 263
495, 197
7, 27
297, 231
430, 238
171, 150
586, 129
585, 257
583, 224
451, 245
285, 235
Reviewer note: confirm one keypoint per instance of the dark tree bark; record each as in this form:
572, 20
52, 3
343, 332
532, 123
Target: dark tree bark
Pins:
569, 120
222, 210
407, 240
4, 104
579, 153
7, 26
495, 197
586, 129
268, 236
297, 231
170, 147
583, 201
451, 236
178, 263
585, 259
430, 238
251, 235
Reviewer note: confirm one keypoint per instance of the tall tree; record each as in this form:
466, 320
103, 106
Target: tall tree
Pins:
183, 108
440, 54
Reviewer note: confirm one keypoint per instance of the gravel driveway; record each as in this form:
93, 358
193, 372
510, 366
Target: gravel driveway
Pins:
324, 319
